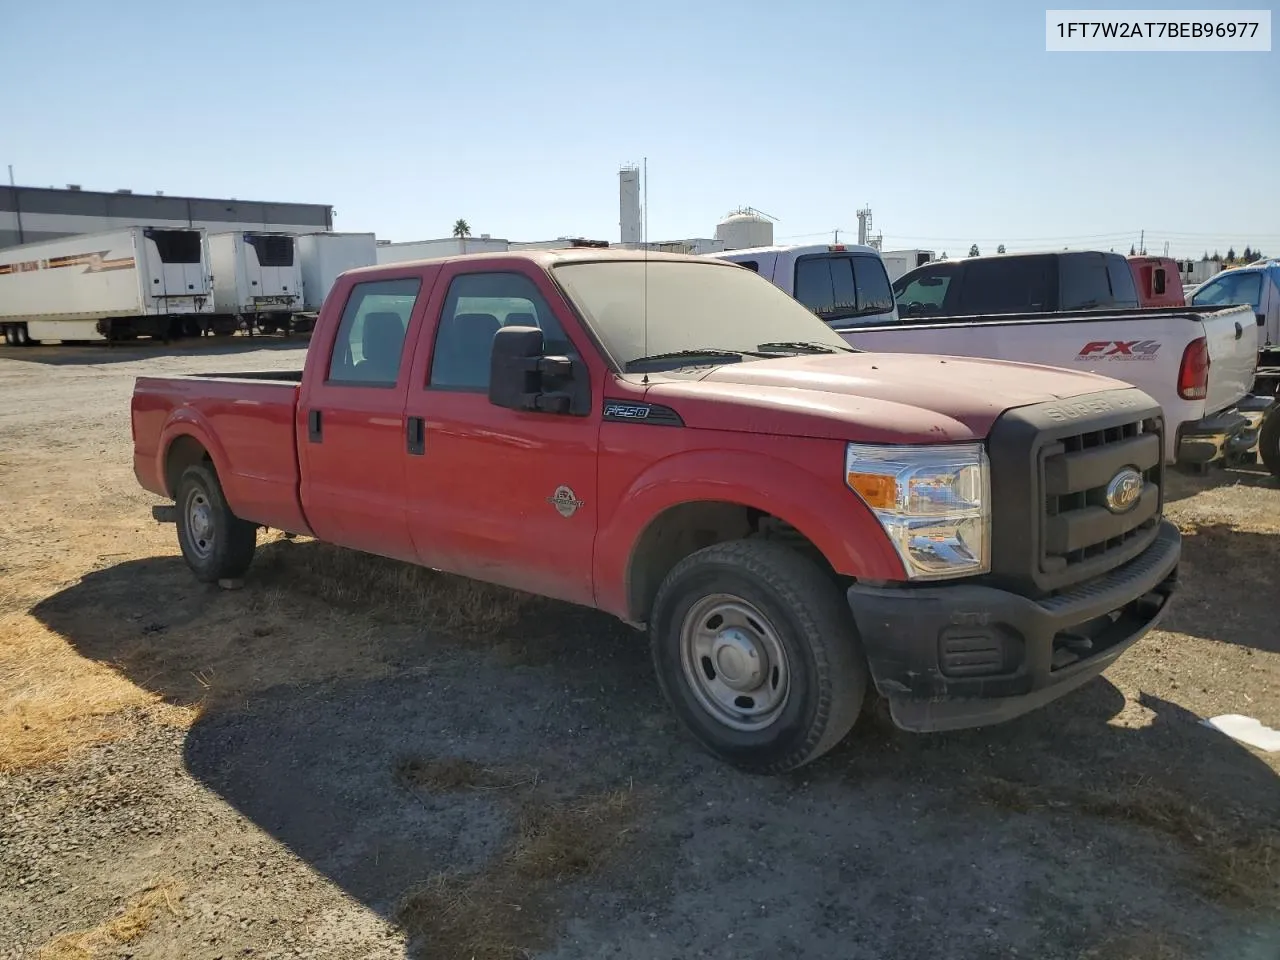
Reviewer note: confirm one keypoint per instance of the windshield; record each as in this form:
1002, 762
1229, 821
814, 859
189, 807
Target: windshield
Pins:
689, 306
1231, 288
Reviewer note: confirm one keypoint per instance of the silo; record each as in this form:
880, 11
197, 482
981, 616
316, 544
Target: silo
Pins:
629, 204
745, 228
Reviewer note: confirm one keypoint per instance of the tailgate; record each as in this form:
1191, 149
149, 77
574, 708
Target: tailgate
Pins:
1233, 355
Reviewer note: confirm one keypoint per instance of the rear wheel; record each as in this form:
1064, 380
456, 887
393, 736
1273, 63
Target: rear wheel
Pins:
23, 337
757, 655
216, 544
1269, 441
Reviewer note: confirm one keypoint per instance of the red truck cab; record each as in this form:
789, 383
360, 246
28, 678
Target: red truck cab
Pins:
675, 441
1158, 281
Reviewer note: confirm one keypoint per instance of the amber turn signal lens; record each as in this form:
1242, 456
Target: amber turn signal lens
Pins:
877, 491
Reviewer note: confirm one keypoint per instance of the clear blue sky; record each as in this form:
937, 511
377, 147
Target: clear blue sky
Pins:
950, 120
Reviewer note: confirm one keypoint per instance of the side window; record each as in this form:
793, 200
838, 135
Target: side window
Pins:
1087, 281
874, 294
825, 285
923, 294
1157, 284
1002, 285
475, 308
1124, 291
370, 339
751, 265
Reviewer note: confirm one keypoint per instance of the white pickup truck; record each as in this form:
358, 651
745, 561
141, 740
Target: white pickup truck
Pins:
1075, 310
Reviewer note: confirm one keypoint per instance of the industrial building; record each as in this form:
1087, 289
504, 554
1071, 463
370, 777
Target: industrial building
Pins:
28, 214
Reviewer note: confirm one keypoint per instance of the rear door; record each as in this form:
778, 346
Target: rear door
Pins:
350, 420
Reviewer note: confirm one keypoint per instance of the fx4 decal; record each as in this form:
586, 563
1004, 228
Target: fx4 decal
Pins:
1119, 350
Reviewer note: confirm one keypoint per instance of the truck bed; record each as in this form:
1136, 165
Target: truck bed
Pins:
244, 420
1143, 347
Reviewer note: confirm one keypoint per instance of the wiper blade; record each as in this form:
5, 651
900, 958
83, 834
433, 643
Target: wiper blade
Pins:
804, 346
695, 352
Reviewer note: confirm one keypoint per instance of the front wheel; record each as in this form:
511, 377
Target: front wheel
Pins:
757, 654
1269, 441
216, 544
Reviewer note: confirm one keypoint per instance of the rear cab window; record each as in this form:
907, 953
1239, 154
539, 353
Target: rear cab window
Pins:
844, 289
369, 344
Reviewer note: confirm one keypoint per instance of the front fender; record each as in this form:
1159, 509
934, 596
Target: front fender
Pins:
831, 516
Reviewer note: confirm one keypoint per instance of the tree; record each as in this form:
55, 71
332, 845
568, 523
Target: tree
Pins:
1000, 249
944, 255
973, 251
1133, 251
1248, 255
461, 230
1216, 256
1205, 258
1231, 254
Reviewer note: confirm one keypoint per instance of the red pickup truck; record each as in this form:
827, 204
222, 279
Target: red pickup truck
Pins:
677, 442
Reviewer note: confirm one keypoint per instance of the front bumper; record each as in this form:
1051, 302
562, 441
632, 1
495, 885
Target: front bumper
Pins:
1230, 433
961, 655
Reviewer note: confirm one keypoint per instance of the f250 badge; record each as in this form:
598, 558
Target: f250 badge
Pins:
1119, 350
565, 501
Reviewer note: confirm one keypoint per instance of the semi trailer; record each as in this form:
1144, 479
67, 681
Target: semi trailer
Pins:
325, 256
117, 285
257, 280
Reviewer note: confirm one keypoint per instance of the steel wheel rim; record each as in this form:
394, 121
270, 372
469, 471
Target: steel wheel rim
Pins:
199, 526
734, 662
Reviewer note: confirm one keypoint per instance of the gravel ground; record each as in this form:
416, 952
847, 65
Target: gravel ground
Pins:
349, 758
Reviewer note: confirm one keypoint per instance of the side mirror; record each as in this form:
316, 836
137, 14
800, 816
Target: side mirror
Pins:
521, 378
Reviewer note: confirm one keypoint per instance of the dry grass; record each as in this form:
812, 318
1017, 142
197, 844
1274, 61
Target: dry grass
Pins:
506, 910
54, 701
133, 921
1235, 864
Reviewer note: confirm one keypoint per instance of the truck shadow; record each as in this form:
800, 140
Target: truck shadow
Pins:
1226, 576
90, 354
314, 707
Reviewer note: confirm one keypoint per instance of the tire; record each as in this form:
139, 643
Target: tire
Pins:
22, 336
1269, 441
11, 336
787, 680
216, 544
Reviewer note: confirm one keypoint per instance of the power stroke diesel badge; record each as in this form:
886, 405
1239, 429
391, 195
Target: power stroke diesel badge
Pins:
565, 501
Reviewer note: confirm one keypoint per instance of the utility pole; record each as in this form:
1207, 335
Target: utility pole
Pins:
1142, 243
836, 238
17, 207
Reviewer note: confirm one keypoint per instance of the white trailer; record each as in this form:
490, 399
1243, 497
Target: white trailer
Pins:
898, 262
147, 281
257, 278
325, 256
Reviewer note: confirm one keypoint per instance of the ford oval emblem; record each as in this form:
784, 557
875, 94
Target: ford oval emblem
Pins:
1124, 490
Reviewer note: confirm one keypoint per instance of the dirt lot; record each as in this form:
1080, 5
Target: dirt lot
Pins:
351, 758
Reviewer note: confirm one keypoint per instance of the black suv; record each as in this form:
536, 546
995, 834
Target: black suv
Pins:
1017, 283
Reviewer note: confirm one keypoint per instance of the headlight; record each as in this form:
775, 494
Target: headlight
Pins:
933, 502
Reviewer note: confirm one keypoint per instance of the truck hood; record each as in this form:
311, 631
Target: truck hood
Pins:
872, 397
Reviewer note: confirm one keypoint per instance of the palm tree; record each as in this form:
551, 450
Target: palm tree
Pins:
462, 230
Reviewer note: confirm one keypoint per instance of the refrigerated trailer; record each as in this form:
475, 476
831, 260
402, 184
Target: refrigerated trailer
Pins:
325, 256
257, 278
137, 281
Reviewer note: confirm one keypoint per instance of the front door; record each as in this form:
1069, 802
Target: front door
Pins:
351, 429
496, 494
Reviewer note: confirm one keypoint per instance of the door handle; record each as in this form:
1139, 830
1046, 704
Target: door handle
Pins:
1239, 330
315, 426
415, 430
